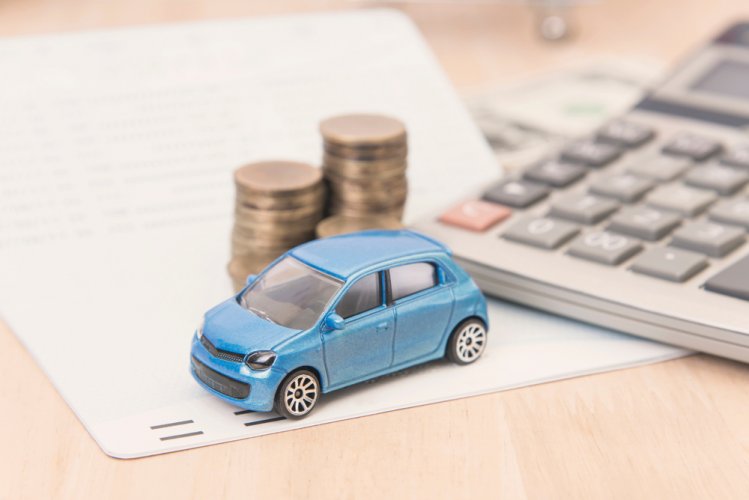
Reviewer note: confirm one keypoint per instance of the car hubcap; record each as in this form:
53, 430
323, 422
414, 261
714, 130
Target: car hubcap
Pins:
471, 342
301, 394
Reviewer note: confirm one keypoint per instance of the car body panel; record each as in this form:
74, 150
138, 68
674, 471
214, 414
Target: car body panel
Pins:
370, 344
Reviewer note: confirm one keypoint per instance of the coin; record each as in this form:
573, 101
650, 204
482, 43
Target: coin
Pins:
366, 153
278, 178
363, 130
291, 215
266, 202
339, 224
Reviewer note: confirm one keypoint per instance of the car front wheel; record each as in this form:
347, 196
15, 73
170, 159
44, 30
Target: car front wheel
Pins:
297, 395
467, 342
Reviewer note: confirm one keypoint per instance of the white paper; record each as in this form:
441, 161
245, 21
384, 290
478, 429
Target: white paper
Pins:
116, 153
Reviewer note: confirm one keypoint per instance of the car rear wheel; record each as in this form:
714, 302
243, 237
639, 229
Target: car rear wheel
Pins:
297, 395
467, 342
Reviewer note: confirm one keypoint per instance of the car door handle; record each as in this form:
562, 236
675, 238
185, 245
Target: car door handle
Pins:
381, 327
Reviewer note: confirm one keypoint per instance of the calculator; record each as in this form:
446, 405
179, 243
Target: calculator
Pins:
641, 227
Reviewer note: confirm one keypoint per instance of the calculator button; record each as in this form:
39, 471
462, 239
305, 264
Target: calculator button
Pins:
555, 173
659, 167
735, 212
733, 280
696, 147
591, 153
584, 208
624, 187
669, 263
626, 134
541, 232
685, 200
475, 215
724, 180
604, 247
644, 222
709, 238
737, 157
516, 193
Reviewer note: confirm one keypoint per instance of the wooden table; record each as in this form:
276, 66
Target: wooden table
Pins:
676, 429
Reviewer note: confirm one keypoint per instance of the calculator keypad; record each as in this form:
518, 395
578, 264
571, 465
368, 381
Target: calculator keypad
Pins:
591, 153
682, 199
724, 180
625, 134
734, 212
644, 222
658, 167
669, 263
604, 247
708, 238
737, 157
542, 232
475, 215
555, 173
583, 208
694, 146
626, 188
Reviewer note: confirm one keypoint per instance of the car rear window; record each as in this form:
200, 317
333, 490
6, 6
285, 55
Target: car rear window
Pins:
412, 278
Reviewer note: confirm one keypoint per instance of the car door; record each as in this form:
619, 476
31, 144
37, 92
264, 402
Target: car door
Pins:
365, 344
423, 306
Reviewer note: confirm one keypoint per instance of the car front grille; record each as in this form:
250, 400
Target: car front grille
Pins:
221, 354
220, 383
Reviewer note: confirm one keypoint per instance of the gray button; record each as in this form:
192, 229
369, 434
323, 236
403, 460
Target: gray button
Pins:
733, 280
682, 199
724, 180
604, 247
659, 167
669, 263
708, 238
556, 173
591, 153
626, 134
516, 193
584, 208
541, 232
696, 147
737, 157
644, 222
624, 187
735, 212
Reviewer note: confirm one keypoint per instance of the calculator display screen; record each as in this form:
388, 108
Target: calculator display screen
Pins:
727, 77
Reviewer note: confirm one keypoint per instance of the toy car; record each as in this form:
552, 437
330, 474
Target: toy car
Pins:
334, 312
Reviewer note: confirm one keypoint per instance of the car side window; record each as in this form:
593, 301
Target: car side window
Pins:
412, 278
362, 296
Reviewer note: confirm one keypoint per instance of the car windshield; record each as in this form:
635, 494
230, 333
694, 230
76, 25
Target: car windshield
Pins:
290, 294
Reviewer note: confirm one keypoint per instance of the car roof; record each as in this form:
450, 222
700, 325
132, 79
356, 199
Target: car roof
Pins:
345, 255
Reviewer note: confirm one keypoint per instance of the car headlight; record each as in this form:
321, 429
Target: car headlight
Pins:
199, 330
261, 360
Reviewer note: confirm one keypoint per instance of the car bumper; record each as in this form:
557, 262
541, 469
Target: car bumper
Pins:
234, 382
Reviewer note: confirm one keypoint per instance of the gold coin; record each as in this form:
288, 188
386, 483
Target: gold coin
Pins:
356, 211
265, 202
245, 243
338, 183
363, 173
269, 216
362, 130
367, 153
241, 267
339, 224
278, 178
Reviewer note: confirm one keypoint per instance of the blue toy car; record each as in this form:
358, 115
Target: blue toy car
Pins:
334, 312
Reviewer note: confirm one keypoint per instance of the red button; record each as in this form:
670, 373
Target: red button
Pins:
475, 215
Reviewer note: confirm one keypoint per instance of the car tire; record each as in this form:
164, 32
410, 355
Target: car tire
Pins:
467, 342
298, 394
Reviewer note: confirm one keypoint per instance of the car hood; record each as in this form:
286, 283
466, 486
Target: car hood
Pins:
231, 327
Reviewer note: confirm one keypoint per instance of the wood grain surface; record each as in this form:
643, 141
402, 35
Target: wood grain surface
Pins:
672, 430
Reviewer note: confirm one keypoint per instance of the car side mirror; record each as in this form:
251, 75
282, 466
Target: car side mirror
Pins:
334, 321
250, 279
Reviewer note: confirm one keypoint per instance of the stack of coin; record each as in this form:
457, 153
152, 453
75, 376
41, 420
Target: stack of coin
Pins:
365, 165
341, 224
278, 206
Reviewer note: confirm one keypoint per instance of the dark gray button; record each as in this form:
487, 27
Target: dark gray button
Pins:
624, 187
644, 222
541, 232
696, 147
516, 193
724, 180
708, 238
555, 173
625, 134
669, 263
604, 247
737, 157
584, 208
685, 200
591, 153
735, 212
659, 167
733, 280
